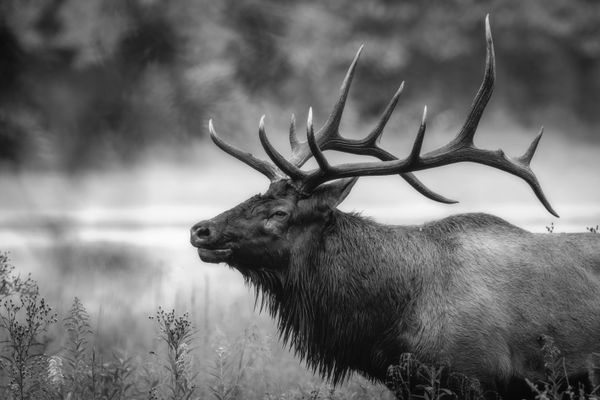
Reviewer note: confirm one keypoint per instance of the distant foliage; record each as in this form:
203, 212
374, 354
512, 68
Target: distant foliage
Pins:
83, 83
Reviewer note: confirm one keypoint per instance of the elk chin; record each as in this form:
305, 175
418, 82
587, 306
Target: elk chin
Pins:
214, 256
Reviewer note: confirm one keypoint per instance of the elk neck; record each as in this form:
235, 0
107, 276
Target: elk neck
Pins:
333, 300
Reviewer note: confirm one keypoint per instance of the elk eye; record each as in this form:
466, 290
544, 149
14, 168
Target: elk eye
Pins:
279, 214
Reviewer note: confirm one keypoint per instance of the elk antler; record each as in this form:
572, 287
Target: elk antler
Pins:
261, 166
460, 149
329, 138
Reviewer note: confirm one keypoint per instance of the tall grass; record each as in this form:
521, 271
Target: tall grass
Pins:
177, 335
46, 356
185, 363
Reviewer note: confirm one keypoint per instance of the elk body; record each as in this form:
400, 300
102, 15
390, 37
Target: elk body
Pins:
351, 294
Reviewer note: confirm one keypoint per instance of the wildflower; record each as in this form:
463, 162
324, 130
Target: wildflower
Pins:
221, 350
55, 371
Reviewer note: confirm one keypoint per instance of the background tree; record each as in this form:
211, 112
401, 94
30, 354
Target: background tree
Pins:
83, 83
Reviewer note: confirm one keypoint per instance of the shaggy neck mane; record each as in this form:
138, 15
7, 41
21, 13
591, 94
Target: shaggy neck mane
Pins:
322, 299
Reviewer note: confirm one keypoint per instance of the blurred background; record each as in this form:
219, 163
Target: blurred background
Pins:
105, 160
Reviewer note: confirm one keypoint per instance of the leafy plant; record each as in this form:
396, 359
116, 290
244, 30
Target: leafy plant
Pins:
411, 379
177, 333
24, 319
556, 385
77, 362
11, 283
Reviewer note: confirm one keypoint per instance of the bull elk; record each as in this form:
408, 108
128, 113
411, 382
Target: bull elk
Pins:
350, 294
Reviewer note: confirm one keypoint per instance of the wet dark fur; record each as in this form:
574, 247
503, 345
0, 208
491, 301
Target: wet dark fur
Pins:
471, 290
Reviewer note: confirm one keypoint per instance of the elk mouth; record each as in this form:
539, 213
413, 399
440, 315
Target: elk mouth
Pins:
214, 255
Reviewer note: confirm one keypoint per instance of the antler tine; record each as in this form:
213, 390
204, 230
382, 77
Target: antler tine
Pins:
261, 166
523, 170
465, 136
331, 126
494, 158
374, 137
314, 146
416, 184
525, 159
294, 142
418, 144
330, 129
287, 167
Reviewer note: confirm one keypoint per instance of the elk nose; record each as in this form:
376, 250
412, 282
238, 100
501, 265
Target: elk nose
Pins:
201, 233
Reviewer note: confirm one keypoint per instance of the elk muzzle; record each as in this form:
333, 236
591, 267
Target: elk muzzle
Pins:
205, 237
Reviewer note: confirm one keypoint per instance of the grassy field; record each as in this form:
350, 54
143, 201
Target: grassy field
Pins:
205, 341
194, 348
111, 320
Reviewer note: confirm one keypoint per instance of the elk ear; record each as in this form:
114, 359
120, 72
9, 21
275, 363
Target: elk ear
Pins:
334, 193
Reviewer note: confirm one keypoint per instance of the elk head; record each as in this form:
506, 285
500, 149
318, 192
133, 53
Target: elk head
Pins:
259, 233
